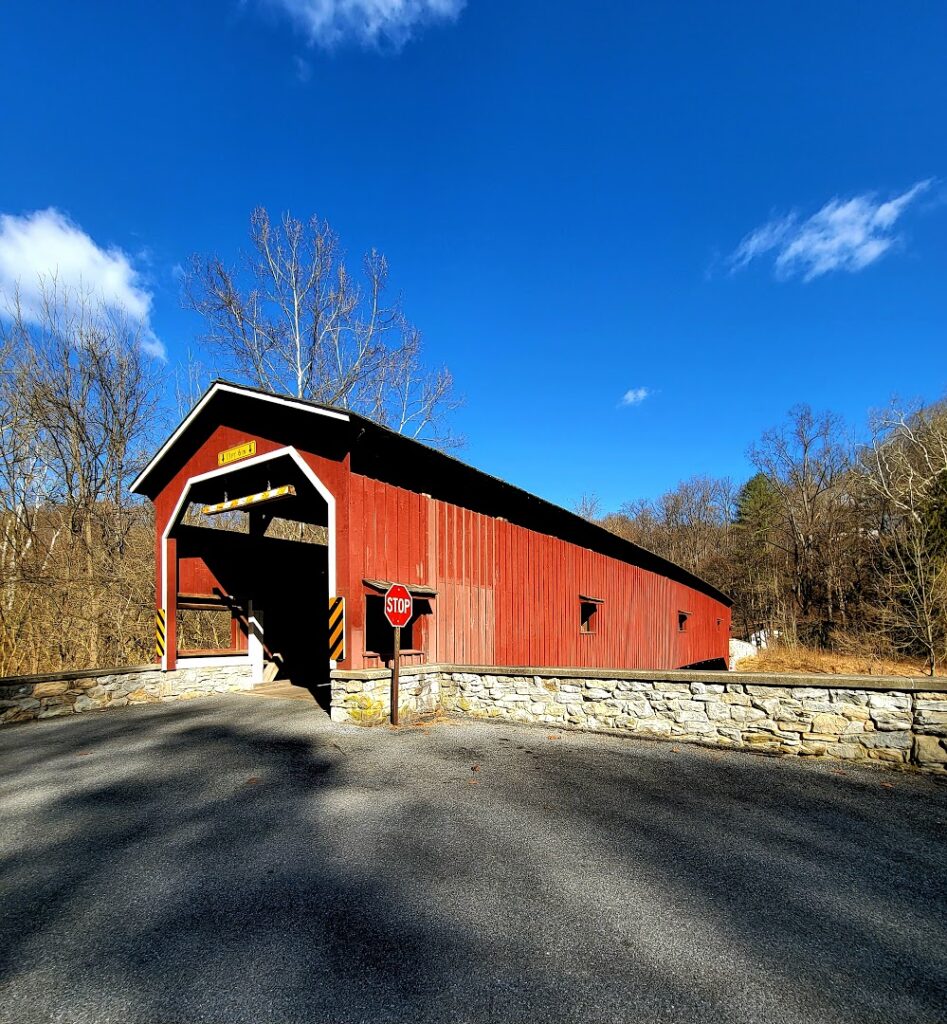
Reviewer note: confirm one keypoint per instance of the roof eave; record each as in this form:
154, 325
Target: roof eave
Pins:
224, 387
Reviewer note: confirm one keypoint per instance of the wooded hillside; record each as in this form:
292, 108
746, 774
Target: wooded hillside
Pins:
832, 544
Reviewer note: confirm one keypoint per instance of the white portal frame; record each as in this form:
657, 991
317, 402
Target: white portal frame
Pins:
310, 475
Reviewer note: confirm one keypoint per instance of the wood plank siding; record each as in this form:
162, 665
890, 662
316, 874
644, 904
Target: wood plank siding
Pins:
508, 595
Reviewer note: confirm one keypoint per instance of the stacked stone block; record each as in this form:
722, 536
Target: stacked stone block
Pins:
852, 722
366, 700
49, 697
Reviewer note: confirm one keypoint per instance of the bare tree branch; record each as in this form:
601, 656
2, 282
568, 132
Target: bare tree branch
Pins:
295, 322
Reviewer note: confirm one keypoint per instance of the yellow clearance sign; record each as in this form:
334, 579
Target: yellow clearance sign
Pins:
242, 451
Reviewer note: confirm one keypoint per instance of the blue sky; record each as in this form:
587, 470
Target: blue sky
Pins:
714, 209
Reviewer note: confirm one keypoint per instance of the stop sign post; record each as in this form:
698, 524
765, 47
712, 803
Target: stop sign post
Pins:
399, 607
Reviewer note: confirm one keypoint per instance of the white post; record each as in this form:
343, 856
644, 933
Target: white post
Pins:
255, 643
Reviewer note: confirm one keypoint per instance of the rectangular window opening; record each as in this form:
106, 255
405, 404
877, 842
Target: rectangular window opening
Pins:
205, 630
291, 529
380, 635
588, 612
682, 618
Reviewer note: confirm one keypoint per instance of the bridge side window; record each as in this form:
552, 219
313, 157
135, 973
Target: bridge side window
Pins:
588, 616
379, 635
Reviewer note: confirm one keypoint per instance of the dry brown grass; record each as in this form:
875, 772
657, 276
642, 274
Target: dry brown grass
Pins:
814, 662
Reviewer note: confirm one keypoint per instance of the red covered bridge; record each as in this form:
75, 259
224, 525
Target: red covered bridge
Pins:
320, 503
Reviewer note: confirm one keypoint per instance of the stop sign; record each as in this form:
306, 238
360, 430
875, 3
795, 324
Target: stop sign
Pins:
398, 605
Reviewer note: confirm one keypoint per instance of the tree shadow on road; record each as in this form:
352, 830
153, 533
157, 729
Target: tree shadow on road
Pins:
828, 883
191, 862
244, 861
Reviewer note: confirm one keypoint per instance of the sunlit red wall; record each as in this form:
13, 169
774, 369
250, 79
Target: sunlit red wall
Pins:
507, 595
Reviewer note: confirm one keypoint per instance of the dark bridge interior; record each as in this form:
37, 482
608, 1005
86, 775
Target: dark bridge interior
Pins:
236, 562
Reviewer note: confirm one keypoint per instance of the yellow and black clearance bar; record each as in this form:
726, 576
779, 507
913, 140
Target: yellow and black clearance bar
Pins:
159, 632
336, 629
251, 499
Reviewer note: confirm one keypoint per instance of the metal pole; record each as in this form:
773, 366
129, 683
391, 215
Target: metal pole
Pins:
394, 676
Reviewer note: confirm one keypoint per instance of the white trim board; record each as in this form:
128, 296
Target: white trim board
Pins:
290, 403
236, 467
221, 661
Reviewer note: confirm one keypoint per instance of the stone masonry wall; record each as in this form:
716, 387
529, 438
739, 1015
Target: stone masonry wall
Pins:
22, 700
891, 720
364, 698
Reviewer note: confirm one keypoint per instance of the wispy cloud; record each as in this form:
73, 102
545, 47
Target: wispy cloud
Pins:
36, 248
846, 234
368, 23
635, 396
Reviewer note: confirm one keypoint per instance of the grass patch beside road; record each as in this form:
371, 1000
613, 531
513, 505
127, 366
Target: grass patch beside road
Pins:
816, 662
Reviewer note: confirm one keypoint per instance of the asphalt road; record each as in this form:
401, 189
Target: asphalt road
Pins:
243, 860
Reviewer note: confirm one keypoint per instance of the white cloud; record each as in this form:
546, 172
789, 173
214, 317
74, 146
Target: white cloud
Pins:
635, 396
846, 234
38, 247
330, 23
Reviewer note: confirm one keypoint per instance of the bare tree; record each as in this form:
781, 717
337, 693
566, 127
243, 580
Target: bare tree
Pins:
906, 466
821, 547
77, 408
191, 378
688, 524
293, 320
807, 464
589, 507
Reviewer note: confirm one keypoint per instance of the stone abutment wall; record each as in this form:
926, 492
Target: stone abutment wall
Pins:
895, 720
68, 693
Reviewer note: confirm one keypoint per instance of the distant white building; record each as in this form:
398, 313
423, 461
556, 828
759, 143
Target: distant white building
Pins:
740, 650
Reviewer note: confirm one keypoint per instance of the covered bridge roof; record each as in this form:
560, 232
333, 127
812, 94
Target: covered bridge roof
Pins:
379, 452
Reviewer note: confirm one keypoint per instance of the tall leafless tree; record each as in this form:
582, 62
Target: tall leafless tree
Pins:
906, 466
589, 507
807, 463
292, 319
687, 524
792, 546
78, 414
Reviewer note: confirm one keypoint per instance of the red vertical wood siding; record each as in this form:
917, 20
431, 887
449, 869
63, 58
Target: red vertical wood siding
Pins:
508, 595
